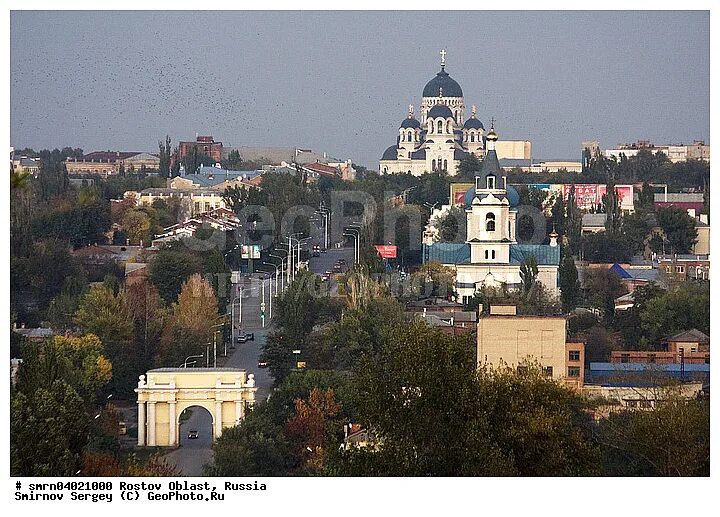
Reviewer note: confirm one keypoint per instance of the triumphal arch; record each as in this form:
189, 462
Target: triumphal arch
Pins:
164, 393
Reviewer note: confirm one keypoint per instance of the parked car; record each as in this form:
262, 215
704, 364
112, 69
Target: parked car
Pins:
337, 268
262, 364
250, 336
242, 339
192, 435
342, 261
324, 250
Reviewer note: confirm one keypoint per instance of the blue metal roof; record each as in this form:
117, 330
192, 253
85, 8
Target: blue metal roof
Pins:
447, 253
545, 255
619, 271
639, 367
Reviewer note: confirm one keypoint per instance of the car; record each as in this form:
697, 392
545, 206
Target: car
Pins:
250, 336
342, 261
192, 435
337, 268
262, 364
324, 250
242, 339
315, 253
325, 277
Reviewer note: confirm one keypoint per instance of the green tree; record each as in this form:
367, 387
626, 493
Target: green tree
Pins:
679, 229
136, 225
569, 284
433, 279
170, 269
468, 167
684, 307
645, 443
48, 430
499, 423
165, 152
611, 204
528, 273
602, 287
452, 226
574, 222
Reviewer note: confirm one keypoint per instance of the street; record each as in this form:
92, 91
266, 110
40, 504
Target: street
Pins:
193, 454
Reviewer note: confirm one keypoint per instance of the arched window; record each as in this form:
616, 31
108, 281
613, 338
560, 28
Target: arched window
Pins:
486, 254
440, 126
434, 166
410, 136
490, 181
402, 137
432, 130
490, 223
472, 137
445, 165
492, 254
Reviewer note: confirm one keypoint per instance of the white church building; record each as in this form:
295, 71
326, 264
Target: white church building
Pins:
442, 136
491, 255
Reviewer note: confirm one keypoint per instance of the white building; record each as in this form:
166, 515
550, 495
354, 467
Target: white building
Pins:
442, 137
491, 255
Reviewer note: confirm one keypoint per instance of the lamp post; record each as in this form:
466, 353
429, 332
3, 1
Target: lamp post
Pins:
282, 271
277, 269
326, 216
356, 241
353, 228
185, 363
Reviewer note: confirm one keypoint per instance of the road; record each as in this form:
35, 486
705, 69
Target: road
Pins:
193, 454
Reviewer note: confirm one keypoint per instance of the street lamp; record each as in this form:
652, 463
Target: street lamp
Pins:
282, 271
353, 228
356, 242
185, 363
277, 270
326, 216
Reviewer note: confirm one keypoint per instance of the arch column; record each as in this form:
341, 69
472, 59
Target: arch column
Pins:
151, 423
141, 424
218, 419
173, 424
239, 413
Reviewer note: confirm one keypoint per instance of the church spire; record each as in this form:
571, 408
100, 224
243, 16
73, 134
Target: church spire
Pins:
491, 136
474, 110
442, 59
411, 111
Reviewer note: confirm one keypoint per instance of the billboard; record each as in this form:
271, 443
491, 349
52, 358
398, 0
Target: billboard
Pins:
251, 251
457, 193
387, 252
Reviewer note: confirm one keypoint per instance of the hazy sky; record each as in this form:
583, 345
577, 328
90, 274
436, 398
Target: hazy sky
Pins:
340, 82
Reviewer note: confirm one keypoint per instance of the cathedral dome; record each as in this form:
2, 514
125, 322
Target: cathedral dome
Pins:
410, 122
473, 123
450, 88
513, 196
440, 110
390, 153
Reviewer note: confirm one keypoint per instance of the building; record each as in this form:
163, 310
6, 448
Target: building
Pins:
544, 167
222, 219
192, 200
686, 201
682, 267
215, 178
689, 347
504, 338
106, 163
491, 255
442, 136
27, 164
675, 153
204, 145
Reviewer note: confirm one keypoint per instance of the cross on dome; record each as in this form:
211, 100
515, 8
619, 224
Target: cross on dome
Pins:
411, 111
442, 58
474, 110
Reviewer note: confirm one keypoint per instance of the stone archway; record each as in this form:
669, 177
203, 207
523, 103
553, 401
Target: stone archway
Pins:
164, 393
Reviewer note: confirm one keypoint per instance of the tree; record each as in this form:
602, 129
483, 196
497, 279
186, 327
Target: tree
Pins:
611, 204
684, 307
645, 443
106, 314
528, 273
452, 226
635, 228
602, 287
136, 224
190, 327
433, 279
679, 229
311, 431
48, 430
606, 247
499, 422
646, 198
170, 269
165, 150
569, 284
468, 167
574, 222
233, 161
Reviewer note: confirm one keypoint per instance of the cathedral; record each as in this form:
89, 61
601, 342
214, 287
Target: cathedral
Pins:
442, 137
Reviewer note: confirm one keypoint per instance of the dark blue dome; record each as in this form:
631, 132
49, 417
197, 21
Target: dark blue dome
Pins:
440, 110
473, 123
390, 153
442, 80
469, 196
410, 122
513, 196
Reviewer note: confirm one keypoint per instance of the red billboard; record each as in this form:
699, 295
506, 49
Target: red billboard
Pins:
387, 252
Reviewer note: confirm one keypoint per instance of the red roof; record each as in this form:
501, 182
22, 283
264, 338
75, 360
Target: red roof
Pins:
321, 168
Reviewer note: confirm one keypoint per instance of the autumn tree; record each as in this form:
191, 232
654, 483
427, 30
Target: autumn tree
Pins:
569, 284
190, 326
433, 279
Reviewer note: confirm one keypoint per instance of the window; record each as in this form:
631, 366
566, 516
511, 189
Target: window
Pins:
573, 371
492, 254
434, 166
624, 358
679, 269
410, 136
402, 137
472, 137
431, 127
490, 222
440, 126
522, 370
487, 253
668, 269
548, 371
490, 181
574, 355
444, 165
693, 349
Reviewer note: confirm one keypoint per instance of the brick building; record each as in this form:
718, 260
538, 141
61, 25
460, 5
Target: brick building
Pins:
204, 144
